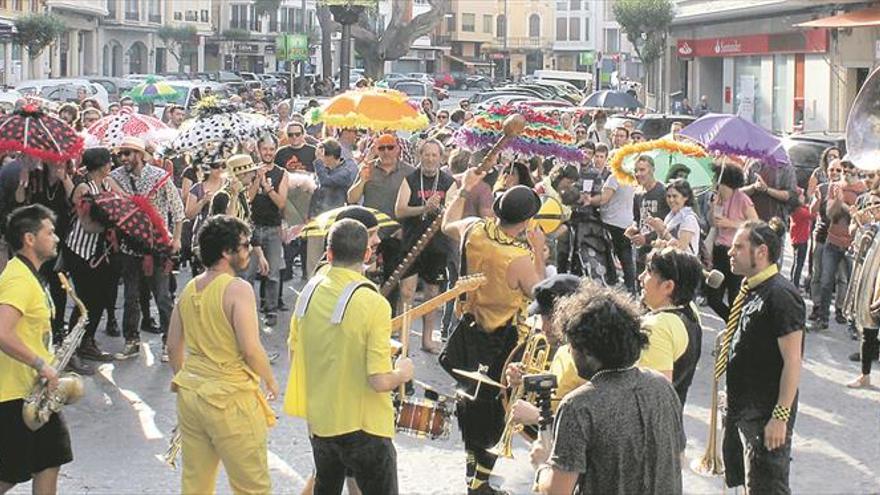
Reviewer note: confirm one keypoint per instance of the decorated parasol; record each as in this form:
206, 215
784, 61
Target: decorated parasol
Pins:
668, 156
34, 133
734, 135
217, 129
320, 225
373, 108
153, 90
542, 135
111, 130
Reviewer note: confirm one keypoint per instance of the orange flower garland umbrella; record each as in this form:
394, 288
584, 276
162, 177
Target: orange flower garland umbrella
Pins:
377, 109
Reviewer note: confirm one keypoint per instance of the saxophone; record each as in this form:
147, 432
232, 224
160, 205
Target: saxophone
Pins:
41, 403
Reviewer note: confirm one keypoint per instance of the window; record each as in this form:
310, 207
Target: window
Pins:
238, 17
191, 16
574, 29
273, 22
2, 4
311, 19
298, 19
487, 23
575, 4
35, 7
178, 16
562, 6
500, 26
534, 26
450, 23
16, 5
131, 10
467, 22
612, 40
204, 13
561, 29
287, 18
586, 29
111, 8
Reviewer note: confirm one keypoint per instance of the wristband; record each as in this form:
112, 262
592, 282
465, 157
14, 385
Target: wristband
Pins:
38, 363
781, 413
537, 481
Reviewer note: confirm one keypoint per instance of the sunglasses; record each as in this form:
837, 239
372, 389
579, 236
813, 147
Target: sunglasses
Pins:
389, 147
294, 134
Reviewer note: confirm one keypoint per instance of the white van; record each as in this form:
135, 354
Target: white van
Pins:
582, 80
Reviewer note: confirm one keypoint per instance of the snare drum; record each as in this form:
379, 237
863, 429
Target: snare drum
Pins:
424, 418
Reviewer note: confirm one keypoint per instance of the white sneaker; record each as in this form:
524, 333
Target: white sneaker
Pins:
164, 357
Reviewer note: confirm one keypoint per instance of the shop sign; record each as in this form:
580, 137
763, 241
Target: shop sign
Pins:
587, 58
811, 41
247, 48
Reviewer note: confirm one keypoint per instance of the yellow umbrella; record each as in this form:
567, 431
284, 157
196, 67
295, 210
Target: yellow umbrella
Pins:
378, 109
320, 225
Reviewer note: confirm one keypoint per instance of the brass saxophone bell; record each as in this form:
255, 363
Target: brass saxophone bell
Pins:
36, 411
70, 388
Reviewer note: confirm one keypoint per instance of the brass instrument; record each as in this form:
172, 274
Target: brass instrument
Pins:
535, 359
42, 403
863, 126
174, 447
860, 292
711, 464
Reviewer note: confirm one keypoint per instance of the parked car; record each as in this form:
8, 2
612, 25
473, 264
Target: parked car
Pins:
654, 126
804, 151
480, 82
423, 77
64, 90
251, 80
115, 86
189, 94
8, 99
417, 90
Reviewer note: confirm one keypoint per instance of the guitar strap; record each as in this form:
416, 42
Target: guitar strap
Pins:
305, 297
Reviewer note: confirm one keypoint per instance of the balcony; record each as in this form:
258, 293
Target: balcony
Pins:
522, 43
91, 7
156, 18
132, 16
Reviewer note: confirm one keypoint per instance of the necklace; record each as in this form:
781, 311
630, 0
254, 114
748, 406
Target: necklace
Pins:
615, 370
51, 191
433, 188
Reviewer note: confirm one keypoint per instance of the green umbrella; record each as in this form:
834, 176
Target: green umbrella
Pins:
152, 90
699, 170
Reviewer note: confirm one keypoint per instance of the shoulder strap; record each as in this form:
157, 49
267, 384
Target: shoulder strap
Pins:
305, 297
346, 297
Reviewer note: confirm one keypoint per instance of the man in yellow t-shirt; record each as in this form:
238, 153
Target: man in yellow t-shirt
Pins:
341, 373
25, 341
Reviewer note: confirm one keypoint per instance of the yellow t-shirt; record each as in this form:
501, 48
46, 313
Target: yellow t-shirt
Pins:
667, 341
20, 289
331, 363
567, 378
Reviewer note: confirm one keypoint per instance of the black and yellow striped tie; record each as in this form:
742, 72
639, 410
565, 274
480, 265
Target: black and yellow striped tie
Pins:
732, 323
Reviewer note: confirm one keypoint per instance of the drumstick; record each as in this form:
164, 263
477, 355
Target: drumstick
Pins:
404, 341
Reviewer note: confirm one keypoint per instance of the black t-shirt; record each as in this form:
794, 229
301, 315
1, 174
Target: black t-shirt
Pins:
421, 188
771, 310
305, 154
684, 367
649, 204
9, 177
821, 226
590, 182
263, 209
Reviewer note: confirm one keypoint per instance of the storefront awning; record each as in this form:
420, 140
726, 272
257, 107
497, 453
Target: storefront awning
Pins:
857, 18
472, 63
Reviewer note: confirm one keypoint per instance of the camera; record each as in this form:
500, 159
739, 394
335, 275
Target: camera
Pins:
540, 384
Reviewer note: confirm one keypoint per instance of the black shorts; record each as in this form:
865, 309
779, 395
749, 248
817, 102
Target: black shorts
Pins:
23, 452
370, 459
430, 267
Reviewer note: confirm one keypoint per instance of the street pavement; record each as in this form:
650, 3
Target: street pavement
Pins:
120, 429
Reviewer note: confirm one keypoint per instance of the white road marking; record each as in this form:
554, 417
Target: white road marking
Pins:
146, 414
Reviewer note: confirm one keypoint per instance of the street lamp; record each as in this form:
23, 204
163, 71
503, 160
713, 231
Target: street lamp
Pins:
347, 12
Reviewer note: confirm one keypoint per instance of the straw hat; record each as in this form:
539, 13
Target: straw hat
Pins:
132, 143
241, 164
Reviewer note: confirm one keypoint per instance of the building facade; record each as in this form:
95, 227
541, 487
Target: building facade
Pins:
16, 63
752, 59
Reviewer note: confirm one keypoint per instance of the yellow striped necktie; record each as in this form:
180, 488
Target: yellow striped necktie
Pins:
732, 324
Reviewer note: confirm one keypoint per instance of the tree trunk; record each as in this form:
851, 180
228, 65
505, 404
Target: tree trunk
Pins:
327, 30
374, 63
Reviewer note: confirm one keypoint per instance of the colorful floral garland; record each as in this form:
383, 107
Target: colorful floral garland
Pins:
543, 135
626, 176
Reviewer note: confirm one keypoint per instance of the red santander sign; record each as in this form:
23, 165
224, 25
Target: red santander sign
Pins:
810, 41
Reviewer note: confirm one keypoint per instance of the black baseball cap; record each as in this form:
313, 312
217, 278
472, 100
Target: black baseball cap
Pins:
360, 214
549, 290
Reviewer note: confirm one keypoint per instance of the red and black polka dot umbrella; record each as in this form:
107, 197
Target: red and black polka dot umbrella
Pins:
34, 133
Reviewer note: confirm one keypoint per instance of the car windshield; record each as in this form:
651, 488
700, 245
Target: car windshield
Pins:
182, 93
804, 154
412, 89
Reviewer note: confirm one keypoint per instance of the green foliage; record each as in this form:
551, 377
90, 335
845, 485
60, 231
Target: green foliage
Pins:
37, 31
237, 34
182, 34
646, 23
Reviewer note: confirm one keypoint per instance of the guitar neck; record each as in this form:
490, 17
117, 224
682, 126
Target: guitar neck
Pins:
431, 304
411, 256
489, 161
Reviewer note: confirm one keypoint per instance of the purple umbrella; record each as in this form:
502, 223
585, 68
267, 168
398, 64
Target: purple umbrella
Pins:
733, 135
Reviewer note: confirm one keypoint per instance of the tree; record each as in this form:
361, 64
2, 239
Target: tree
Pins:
36, 32
328, 27
646, 24
179, 41
377, 44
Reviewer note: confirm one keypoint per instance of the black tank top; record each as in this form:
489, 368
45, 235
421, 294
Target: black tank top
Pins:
421, 188
263, 210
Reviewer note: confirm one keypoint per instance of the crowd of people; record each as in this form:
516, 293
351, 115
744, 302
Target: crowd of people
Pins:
615, 289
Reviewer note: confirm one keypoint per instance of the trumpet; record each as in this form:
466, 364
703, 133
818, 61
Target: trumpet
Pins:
711, 464
536, 354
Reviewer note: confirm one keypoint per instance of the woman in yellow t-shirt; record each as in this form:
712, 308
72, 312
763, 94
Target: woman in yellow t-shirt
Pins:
669, 282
